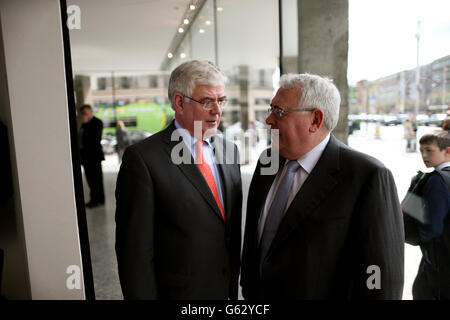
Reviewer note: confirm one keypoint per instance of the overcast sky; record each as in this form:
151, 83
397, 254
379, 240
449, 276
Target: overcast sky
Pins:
382, 35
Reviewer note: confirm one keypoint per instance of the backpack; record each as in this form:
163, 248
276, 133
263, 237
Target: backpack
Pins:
413, 206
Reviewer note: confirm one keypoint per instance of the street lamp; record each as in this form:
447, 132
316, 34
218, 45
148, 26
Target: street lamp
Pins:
416, 111
417, 71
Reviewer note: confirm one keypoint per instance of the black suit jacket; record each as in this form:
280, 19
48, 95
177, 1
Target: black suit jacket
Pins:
90, 141
171, 241
345, 218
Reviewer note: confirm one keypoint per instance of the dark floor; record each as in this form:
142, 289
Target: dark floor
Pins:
101, 230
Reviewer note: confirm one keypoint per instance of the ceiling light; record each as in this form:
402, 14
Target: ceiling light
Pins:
219, 9
182, 55
192, 7
207, 22
180, 30
202, 30
186, 21
170, 55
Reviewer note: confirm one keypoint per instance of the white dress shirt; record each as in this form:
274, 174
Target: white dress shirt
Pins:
443, 165
307, 163
208, 155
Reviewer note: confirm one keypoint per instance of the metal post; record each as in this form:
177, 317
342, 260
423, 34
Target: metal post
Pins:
114, 103
416, 111
444, 86
216, 41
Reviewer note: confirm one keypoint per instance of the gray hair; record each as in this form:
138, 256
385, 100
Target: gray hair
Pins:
192, 73
316, 92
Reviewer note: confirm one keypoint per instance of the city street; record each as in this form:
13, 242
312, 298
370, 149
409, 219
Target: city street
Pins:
389, 148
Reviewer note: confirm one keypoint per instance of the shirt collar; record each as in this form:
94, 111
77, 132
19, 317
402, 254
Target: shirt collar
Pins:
309, 160
187, 137
443, 165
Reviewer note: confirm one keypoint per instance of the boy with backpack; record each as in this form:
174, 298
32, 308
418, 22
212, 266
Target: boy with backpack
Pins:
432, 233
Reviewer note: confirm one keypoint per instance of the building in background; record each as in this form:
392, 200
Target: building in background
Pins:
397, 93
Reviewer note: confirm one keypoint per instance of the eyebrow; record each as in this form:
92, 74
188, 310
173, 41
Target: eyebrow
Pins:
211, 98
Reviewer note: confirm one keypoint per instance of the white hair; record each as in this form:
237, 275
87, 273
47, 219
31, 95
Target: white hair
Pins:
192, 73
316, 92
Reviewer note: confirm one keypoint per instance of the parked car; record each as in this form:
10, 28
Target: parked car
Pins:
136, 135
436, 119
402, 117
390, 120
109, 141
421, 119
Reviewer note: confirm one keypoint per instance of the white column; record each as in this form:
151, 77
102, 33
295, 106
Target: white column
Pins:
36, 80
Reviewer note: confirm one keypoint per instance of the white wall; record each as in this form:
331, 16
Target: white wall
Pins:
36, 82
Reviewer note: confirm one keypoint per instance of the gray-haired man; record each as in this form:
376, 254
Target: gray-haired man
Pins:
178, 220
328, 224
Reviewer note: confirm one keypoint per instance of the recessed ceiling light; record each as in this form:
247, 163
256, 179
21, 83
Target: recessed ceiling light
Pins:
182, 55
180, 30
219, 9
207, 22
202, 30
170, 55
192, 7
186, 21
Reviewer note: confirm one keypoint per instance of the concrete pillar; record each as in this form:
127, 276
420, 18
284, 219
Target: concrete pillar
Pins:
14, 283
323, 47
290, 64
34, 105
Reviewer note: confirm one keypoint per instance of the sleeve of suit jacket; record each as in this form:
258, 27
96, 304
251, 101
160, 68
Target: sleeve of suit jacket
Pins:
379, 239
134, 228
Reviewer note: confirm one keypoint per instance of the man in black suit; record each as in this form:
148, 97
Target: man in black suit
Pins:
327, 224
178, 221
91, 154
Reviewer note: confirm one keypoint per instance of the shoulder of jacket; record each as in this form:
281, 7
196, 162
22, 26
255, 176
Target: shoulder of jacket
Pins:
359, 159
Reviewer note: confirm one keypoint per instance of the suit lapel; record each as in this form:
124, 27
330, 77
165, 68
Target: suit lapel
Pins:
315, 189
224, 172
264, 183
259, 190
191, 171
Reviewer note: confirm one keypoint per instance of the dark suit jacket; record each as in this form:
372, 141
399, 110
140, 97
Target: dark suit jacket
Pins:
90, 141
433, 277
171, 241
345, 218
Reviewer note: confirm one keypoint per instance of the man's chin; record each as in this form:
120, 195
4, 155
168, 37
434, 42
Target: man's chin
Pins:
210, 131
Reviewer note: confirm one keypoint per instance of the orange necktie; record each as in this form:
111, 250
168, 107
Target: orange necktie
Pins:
207, 174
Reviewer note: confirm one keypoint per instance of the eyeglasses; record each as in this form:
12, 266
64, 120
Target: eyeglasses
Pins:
278, 112
210, 104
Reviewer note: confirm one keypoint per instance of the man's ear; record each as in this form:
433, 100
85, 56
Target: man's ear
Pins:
178, 102
447, 151
317, 118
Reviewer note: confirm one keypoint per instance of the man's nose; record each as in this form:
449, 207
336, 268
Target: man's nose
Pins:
270, 119
215, 109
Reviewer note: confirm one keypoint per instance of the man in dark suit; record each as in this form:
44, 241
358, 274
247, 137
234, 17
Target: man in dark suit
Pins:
178, 221
327, 224
91, 154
